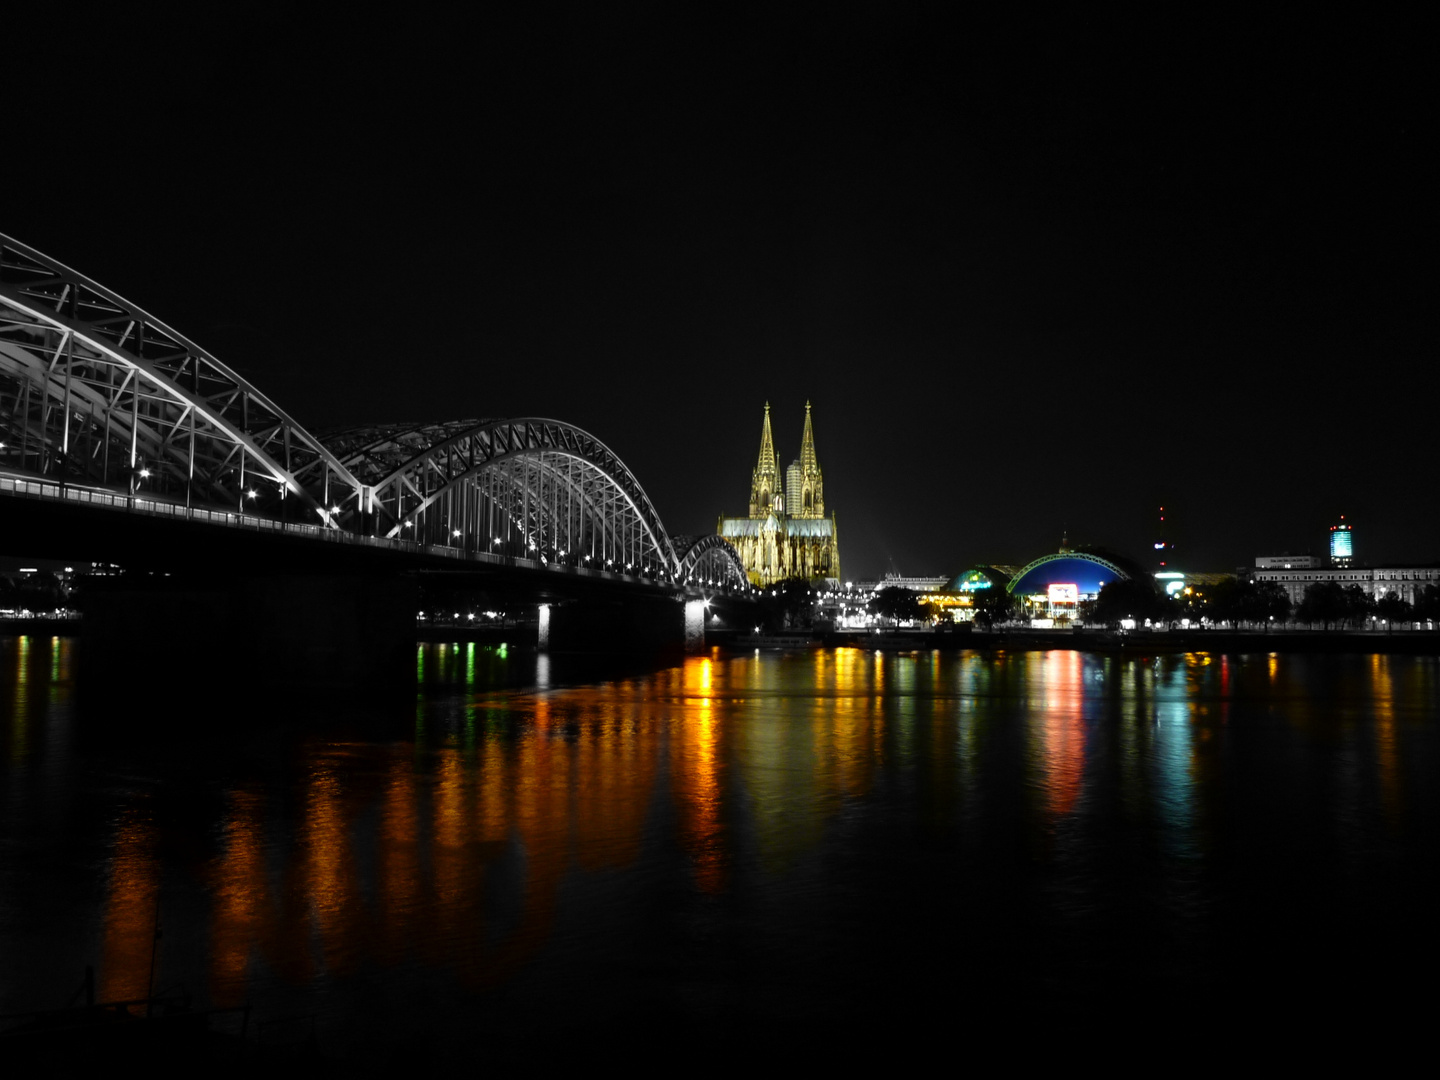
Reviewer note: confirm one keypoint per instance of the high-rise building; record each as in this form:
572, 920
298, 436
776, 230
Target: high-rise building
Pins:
1342, 544
794, 484
787, 534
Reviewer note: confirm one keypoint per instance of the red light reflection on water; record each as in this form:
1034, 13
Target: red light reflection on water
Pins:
1062, 731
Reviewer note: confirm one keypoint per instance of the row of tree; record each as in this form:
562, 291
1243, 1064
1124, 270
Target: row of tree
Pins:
1333, 605
1238, 603
1232, 602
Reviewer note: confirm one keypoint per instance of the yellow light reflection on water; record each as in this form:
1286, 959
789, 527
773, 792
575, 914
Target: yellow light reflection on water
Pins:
1387, 763
695, 776
20, 707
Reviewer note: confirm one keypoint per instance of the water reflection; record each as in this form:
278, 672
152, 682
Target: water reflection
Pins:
533, 824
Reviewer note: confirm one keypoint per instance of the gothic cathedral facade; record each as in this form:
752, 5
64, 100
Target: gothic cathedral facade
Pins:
787, 534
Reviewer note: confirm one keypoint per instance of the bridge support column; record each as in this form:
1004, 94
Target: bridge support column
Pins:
694, 626
543, 641
350, 637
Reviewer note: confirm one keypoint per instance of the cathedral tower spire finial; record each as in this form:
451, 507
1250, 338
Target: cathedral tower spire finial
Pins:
765, 487
812, 492
807, 445
767, 444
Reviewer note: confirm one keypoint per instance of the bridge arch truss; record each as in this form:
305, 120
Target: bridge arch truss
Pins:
94, 390
711, 560
97, 393
531, 487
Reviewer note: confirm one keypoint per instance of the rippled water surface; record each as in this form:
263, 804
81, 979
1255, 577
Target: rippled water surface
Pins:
811, 853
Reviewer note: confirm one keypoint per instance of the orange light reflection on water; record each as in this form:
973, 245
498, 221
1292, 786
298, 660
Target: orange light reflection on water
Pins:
695, 775
131, 912
240, 907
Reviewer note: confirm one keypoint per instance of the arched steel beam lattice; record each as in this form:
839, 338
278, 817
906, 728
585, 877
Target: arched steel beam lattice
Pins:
531, 486
93, 389
713, 559
1082, 556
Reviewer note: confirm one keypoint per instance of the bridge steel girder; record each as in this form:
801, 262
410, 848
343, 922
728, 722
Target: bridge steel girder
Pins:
712, 558
93, 390
539, 487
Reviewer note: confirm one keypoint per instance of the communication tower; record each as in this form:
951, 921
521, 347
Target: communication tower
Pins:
1163, 545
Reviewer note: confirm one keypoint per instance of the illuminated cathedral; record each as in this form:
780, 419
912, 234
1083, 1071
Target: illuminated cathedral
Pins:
787, 534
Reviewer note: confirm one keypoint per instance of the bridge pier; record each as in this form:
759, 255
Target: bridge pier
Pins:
694, 627
349, 636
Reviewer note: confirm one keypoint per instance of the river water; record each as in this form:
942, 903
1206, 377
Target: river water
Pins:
813, 855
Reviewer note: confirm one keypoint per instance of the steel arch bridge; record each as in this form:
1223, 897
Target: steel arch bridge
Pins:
542, 489
709, 560
99, 396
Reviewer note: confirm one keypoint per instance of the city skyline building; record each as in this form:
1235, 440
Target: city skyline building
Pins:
1342, 543
787, 533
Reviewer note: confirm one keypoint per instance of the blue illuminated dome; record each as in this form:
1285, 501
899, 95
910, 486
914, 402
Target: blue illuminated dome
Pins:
1086, 572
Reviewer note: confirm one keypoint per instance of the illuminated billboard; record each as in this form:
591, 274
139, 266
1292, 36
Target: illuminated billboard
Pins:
1064, 594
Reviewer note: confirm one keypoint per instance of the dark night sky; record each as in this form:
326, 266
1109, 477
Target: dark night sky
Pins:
1032, 276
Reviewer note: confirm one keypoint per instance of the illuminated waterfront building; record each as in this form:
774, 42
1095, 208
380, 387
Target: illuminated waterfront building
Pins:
1374, 581
787, 533
1296, 574
1288, 562
1342, 544
1053, 586
922, 585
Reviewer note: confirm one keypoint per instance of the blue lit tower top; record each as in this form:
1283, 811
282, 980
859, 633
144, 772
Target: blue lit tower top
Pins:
1342, 543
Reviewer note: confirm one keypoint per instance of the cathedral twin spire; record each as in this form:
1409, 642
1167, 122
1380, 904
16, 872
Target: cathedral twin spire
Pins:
767, 489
